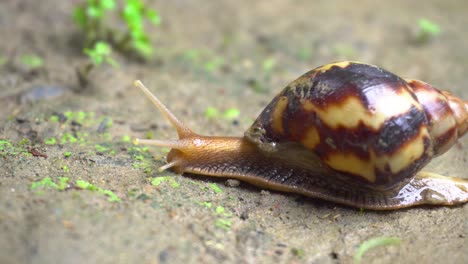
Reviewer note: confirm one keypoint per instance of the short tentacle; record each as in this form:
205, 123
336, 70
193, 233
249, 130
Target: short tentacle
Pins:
182, 130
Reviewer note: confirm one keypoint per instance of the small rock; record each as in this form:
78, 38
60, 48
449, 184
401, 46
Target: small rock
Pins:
232, 183
39, 93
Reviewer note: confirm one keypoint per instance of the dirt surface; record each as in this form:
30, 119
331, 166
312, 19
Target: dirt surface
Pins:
227, 54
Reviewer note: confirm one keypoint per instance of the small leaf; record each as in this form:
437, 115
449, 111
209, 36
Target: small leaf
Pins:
429, 27
219, 210
268, 64
374, 242
100, 53
79, 16
231, 113
50, 141
102, 48
211, 112
215, 188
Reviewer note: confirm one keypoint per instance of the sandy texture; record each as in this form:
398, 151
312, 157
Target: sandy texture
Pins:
261, 44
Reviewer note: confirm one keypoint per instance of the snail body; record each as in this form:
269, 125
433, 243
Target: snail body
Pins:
346, 132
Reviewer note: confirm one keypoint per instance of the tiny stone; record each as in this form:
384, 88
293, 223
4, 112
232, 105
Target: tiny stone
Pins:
232, 183
244, 215
39, 93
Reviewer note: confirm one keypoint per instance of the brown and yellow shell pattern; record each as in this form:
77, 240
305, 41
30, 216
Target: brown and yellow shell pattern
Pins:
363, 122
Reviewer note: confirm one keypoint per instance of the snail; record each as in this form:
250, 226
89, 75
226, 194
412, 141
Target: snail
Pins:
346, 132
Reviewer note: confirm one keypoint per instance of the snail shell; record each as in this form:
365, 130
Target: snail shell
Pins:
346, 132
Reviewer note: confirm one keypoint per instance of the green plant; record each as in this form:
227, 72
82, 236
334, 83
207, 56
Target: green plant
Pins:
32, 61
93, 18
426, 30
101, 53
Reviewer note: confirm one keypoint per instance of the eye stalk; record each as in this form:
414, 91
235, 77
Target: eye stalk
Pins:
183, 131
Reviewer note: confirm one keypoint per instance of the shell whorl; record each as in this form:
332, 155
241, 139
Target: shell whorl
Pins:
362, 121
446, 113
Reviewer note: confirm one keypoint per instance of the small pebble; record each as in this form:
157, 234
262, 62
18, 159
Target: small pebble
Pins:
232, 183
39, 93
244, 215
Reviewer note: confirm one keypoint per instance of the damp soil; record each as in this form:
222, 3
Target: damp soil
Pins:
223, 55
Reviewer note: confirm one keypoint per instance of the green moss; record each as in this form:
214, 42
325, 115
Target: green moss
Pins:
231, 113
67, 154
112, 197
211, 112
81, 117
215, 188
5, 144
139, 157
50, 141
8, 148
63, 182
23, 142
68, 138
48, 183
142, 158
104, 149
219, 209
427, 30
65, 168
223, 223
158, 180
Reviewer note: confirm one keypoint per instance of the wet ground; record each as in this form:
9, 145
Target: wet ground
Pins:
73, 188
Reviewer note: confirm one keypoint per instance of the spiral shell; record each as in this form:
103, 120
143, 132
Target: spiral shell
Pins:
363, 122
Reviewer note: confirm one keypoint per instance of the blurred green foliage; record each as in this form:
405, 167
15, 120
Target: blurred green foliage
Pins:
94, 18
